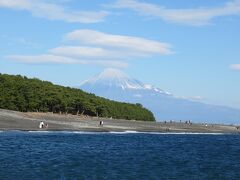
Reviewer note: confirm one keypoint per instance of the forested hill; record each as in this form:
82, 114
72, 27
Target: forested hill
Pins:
32, 95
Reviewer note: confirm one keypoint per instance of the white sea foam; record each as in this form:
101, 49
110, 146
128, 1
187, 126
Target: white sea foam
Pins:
125, 132
42, 131
165, 133
86, 132
184, 133
63, 132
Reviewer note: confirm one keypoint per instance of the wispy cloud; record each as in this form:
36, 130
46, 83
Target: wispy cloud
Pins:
83, 51
53, 11
27, 42
11, 41
97, 48
55, 59
235, 67
44, 58
126, 43
195, 16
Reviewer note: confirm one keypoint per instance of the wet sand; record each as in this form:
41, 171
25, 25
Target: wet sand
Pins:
12, 120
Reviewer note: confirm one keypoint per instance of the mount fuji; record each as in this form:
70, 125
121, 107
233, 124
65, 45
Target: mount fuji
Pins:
116, 85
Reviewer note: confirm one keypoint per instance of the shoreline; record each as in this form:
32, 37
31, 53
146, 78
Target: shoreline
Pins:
18, 121
113, 132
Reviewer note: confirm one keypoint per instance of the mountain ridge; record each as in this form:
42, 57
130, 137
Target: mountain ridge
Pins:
118, 86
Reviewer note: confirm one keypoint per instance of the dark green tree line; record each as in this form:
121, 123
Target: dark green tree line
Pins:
33, 95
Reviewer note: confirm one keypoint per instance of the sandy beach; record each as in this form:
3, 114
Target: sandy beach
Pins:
12, 120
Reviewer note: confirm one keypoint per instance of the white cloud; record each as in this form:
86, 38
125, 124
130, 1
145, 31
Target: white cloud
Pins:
49, 58
11, 41
102, 49
194, 16
27, 42
126, 43
96, 52
52, 11
82, 51
235, 67
118, 64
45, 58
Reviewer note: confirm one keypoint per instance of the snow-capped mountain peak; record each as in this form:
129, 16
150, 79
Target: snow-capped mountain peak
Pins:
116, 85
115, 78
111, 73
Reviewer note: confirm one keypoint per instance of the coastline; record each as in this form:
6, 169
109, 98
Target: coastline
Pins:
12, 120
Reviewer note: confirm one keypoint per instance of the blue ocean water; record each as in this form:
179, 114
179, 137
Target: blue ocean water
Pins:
69, 155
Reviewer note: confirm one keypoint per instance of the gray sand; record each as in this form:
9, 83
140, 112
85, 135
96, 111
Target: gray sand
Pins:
12, 120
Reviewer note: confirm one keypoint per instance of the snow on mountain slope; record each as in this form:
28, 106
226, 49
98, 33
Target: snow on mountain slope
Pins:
115, 78
116, 85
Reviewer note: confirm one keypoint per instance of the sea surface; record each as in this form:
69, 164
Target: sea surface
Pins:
129, 155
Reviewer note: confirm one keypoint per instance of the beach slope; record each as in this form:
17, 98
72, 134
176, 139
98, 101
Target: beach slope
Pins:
12, 120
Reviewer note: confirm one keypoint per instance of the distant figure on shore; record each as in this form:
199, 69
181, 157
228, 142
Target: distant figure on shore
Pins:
46, 125
41, 125
101, 123
188, 122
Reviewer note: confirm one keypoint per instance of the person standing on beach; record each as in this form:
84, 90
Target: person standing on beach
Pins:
41, 125
46, 125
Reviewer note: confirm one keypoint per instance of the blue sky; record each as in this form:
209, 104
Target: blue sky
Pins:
190, 48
